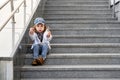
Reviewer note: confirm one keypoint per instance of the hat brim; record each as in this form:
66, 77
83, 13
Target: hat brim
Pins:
39, 23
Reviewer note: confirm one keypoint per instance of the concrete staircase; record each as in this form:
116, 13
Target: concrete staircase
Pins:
85, 45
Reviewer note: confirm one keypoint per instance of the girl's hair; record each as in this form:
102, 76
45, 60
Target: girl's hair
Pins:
42, 25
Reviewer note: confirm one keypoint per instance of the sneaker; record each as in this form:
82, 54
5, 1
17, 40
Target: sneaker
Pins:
34, 63
40, 61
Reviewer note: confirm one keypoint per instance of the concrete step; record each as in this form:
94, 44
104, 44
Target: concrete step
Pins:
71, 71
85, 39
85, 48
71, 79
86, 7
75, 1
71, 20
64, 3
75, 9
79, 16
78, 59
79, 48
80, 0
78, 12
84, 26
92, 31
81, 22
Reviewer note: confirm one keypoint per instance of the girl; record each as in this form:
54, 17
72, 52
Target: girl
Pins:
41, 37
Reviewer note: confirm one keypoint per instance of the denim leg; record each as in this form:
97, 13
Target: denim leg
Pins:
45, 49
36, 49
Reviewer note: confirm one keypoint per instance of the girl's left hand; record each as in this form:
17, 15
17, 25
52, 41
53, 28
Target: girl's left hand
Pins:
48, 35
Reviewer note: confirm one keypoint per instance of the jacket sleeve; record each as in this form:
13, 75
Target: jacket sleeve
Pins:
32, 36
50, 38
45, 36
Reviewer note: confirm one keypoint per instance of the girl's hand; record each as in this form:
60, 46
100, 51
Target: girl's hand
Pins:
48, 35
31, 31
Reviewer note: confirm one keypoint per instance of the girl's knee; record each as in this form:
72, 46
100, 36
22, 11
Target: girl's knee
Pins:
45, 45
36, 45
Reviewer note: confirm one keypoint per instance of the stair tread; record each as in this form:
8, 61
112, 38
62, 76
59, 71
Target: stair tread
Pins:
76, 5
84, 44
78, 55
85, 29
73, 79
78, 0
99, 36
71, 67
76, 13
75, 1
82, 22
81, 10
80, 19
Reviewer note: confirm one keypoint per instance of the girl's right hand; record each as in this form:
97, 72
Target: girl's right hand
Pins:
31, 31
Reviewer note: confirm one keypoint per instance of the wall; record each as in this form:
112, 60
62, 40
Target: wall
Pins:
117, 11
117, 8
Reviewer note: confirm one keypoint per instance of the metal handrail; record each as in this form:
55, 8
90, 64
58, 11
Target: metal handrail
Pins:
4, 4
114, 8
11, 15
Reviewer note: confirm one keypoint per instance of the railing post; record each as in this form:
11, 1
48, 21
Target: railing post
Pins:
1, 6
31, 6
13, 25
24, 12
109, 3
114, 8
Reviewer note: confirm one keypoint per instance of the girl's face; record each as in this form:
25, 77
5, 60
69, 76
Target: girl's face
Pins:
40, 28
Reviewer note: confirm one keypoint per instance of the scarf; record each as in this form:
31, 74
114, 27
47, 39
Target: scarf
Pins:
40, 36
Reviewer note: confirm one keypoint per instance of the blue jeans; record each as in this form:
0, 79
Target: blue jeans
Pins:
40, 49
